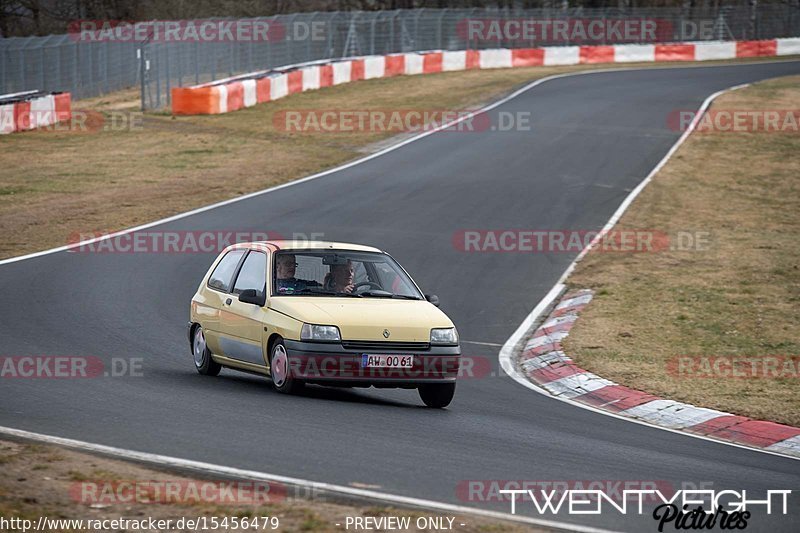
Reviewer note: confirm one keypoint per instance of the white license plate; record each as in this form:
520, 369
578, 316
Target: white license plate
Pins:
387, 361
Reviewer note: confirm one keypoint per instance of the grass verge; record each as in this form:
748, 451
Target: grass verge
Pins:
736, 296
56, 184
47, 481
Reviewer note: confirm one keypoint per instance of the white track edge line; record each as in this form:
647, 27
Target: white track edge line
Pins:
315, 485
371, 156
509, 349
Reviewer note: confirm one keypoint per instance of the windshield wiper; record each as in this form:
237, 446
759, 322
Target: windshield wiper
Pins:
323, 292
387, 294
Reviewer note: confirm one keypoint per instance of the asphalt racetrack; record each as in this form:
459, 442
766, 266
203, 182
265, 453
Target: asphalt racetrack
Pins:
594, 138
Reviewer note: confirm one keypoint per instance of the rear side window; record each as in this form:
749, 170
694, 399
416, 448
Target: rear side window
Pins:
222, 276
253, 274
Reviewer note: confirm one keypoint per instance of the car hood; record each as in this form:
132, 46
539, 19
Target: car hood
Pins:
366, 318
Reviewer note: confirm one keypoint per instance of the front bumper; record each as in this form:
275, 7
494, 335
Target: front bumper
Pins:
331, 364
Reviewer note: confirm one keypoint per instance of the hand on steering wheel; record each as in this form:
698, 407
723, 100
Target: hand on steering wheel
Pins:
371, 284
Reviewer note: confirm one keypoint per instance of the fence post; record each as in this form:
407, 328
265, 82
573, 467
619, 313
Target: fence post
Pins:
329, 53
167, 73
4, 88
41, 68
22, 71
440, 31
372, 34
142, 53
309, 36
59, 82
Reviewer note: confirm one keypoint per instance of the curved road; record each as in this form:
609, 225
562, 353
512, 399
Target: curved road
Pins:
594, 138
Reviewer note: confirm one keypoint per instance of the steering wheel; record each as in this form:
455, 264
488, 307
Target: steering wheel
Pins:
371, 284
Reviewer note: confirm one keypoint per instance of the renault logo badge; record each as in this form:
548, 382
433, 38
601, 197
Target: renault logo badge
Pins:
386, 334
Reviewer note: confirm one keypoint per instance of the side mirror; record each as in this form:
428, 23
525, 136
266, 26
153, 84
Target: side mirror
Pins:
250, 296
432, 298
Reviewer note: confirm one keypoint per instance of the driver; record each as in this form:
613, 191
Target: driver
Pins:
341, 277
285, 267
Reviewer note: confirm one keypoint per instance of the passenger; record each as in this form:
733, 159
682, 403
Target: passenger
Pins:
341, 278
284, 273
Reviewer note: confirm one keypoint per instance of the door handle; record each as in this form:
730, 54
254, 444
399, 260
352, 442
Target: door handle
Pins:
228, 301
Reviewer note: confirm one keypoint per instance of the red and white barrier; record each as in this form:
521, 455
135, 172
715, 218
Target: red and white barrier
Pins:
32, 110
223, 97
545, 363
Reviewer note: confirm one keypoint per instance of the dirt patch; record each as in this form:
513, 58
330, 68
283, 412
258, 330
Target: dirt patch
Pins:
729, 300
61, 484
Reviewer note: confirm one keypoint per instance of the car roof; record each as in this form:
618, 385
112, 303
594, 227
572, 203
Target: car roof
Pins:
311, 245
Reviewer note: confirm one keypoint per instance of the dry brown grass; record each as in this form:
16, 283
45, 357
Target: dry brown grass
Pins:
56, 184
55, 492
741, 296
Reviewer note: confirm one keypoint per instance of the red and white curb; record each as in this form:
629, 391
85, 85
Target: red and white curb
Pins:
544, 362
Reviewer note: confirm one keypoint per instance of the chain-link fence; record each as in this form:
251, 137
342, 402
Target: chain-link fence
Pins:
149, 57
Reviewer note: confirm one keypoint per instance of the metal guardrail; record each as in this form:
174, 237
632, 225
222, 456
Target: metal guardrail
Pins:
89, 68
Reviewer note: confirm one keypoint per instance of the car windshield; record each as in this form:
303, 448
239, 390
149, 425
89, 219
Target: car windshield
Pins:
340, 273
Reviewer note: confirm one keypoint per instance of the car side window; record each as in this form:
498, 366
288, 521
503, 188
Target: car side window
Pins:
253, 274
222, 276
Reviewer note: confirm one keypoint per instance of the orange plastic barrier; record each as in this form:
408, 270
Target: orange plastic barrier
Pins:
63, 106
357, 70
432, 63
527, 57
597, 54
394, 65
295, 81
674, 52
473, 59
263, 88
756, 48
325, 75
195, 100
235, 95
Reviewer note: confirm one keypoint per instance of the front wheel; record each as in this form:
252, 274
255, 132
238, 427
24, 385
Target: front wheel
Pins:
437, 394
280, 370
202, 355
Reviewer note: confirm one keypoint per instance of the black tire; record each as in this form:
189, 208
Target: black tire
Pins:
280, 371
437, 394
201, 354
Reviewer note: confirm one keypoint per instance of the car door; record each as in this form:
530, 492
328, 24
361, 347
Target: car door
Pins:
212, 298
242, 328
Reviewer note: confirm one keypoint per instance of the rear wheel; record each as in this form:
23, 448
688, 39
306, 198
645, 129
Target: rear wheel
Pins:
202, 356
280, 370
437, 394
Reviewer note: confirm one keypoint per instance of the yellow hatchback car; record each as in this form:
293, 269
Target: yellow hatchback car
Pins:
325, 313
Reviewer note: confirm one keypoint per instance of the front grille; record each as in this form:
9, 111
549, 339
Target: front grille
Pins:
379, 345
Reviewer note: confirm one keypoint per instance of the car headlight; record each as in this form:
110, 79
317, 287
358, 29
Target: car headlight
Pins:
311, 332
444, 336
